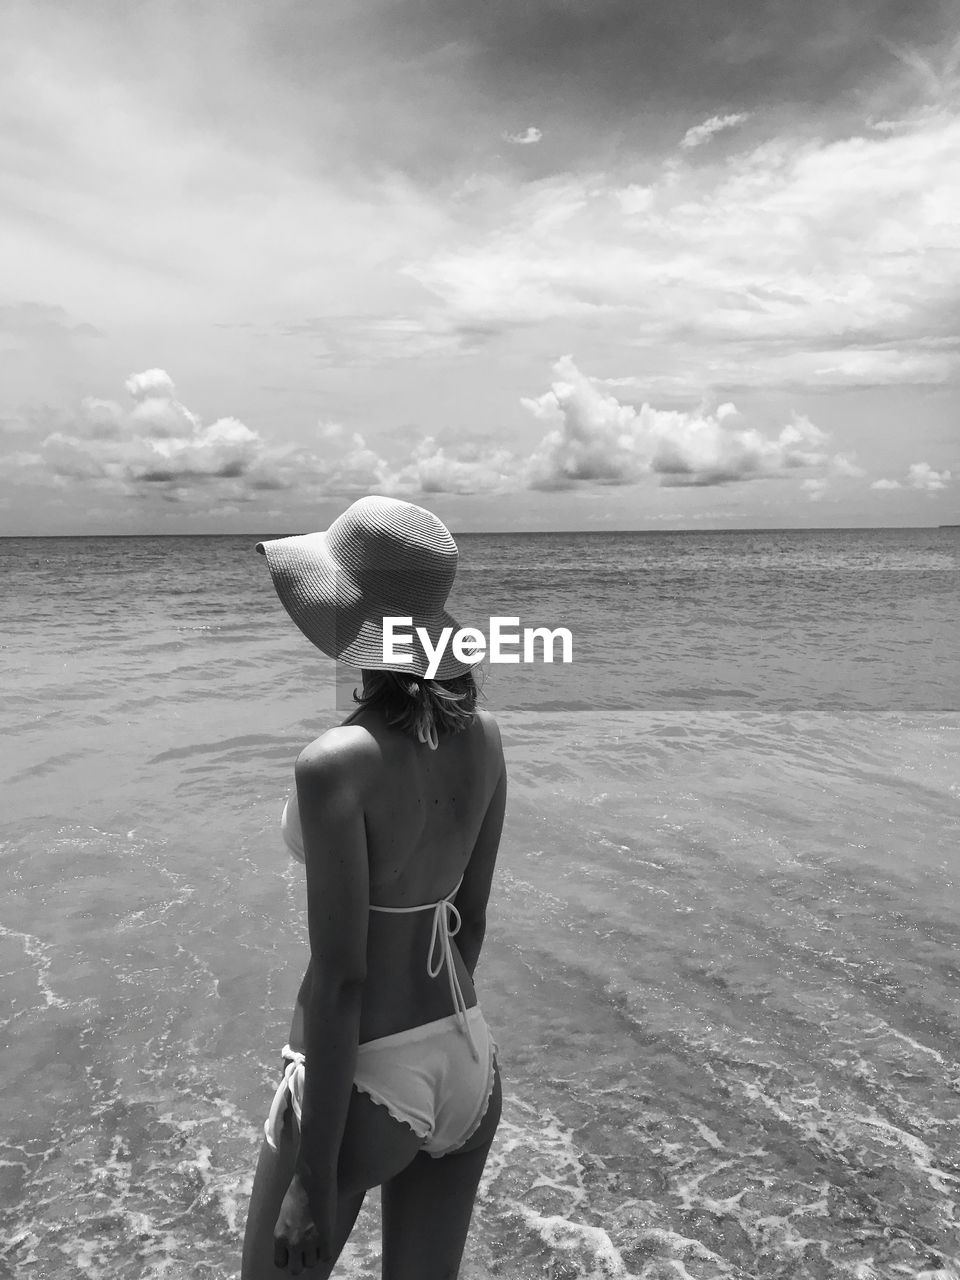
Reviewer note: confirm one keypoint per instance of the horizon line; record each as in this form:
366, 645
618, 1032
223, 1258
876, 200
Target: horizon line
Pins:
466, 533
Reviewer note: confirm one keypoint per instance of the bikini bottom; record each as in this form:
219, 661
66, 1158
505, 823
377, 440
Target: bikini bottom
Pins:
427, 1077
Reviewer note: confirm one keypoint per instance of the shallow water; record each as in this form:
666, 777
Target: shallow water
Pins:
724, 939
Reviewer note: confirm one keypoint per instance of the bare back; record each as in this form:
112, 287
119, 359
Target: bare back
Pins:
431, 818
424, 810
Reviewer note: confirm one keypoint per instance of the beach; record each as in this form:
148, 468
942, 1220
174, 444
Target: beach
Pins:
724, 937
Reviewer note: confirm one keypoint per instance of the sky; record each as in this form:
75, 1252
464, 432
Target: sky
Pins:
559, 264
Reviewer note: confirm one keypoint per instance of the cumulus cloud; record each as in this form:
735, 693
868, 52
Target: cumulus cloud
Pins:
157, 443
595, 437
474, 469
701, 133
529, 136
99, 419
159, 446
151, 383
590, 438
359, 470
922, 476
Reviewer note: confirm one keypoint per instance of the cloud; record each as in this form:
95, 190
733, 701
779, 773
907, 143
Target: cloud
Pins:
160, 447
157, 443
922, 476
701, 133
814, 488
841, 465
592, 440
597, 438
152, 383
15, 424
352, 341
32, 320
475, 470
935, 73
800, 262
360, 470
529, 136
99, 419
226, 448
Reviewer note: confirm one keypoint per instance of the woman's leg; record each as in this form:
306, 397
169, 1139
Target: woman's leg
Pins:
427, 1207
375, 1148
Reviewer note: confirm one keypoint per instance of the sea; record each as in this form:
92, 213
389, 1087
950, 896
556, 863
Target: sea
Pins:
723, 953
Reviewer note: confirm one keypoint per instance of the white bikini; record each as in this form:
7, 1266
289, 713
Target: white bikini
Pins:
438, 1077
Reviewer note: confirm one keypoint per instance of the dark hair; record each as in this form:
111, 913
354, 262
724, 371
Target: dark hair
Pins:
421, 707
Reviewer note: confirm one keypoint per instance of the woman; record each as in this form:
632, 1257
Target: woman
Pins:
391, 1078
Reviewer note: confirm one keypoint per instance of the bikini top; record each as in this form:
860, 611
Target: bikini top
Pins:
446, 921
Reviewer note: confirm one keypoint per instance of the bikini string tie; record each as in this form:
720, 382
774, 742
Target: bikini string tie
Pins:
441, 953
289, 1091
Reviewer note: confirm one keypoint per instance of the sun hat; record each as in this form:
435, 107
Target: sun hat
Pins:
381, 558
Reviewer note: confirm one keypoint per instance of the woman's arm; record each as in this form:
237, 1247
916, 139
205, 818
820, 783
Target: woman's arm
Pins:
471, 900
295, 1039
338, 898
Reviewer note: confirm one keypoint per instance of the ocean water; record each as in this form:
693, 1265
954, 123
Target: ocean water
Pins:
724, 944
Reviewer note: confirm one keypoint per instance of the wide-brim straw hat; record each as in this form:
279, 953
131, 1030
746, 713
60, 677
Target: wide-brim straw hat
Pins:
380, 558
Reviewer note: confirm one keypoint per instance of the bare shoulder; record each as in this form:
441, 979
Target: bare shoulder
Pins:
343, 756
491, 731
486, 718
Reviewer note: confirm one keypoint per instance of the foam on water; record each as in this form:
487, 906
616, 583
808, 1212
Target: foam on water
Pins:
37, 954
767, 1077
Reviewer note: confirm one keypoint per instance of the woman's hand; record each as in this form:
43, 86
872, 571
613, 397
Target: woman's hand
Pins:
298, 1240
